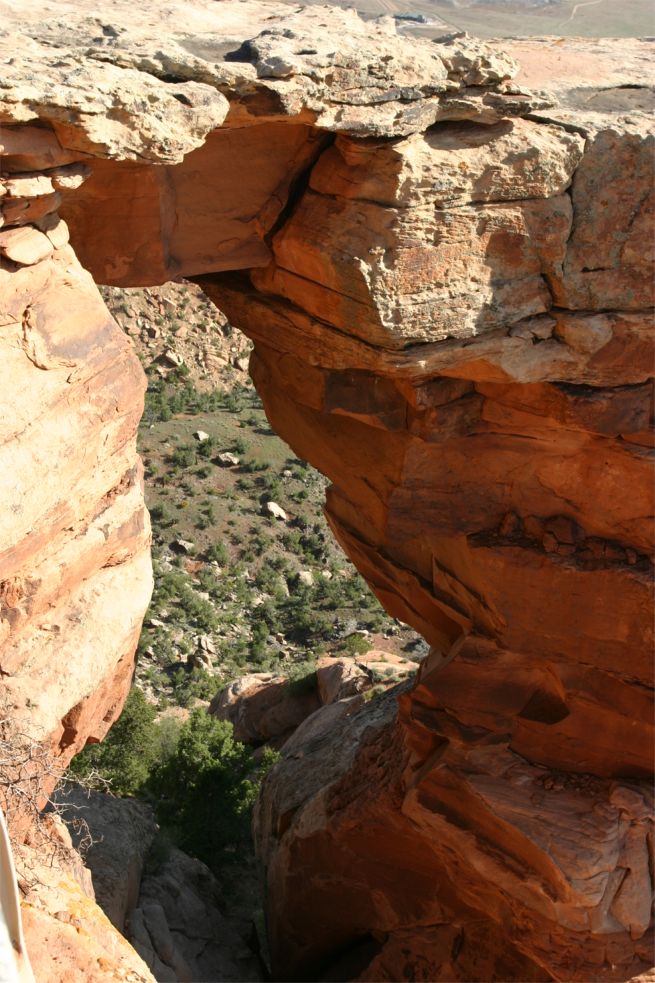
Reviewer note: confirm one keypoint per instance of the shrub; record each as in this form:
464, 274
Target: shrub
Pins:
371, 694
267, 578
161, 516
184, 456
168, 584
210, 512
177, 394
179, 374
194, 684
218, 552
207, 447
356, 644
273, 489
168, 736
197, 609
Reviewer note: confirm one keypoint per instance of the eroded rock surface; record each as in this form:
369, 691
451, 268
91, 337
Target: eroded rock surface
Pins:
121, 832
75, 565
180, 930
165, 902
447, 281
263, 707
267, 709
69, 937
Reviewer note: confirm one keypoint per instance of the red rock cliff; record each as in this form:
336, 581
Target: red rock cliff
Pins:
447, 282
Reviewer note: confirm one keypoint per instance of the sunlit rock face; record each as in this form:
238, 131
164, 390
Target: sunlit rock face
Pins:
447, 280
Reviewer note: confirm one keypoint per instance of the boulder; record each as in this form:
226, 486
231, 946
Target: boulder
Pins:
25, 246
68, 936
171, 914
200, 660
275, 511
340, 678
173, 358
386, 666
228, 460
56, 230
70, 940
262, 707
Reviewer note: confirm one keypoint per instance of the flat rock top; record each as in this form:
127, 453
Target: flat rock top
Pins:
589, 78
150, 80
74, 20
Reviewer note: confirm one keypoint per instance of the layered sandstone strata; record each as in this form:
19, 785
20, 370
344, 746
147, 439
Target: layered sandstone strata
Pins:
447, 281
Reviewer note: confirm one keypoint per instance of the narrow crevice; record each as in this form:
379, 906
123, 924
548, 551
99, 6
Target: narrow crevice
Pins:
298, 187
569, 127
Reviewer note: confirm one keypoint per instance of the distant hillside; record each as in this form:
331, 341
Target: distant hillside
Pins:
585, 18
511, 18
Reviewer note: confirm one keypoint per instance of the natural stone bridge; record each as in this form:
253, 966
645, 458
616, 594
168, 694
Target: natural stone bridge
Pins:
445, 276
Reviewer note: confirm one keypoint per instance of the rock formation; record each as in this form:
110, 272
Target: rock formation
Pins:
267, 709
262, 707
447, 281
121, 832
68, 935
165, 902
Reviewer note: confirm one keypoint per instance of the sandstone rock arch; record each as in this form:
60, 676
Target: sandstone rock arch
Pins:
446, 280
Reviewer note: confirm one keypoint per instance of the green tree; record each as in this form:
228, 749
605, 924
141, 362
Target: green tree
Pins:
128, 753
204, 789
356, 644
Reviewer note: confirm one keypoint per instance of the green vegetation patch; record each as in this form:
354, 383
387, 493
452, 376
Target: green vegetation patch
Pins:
201, 782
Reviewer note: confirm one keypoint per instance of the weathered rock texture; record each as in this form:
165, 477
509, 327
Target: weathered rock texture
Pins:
263, 707
69, 938
121, 833
165, 902
447, 281
74, 562
180, 931
267, 709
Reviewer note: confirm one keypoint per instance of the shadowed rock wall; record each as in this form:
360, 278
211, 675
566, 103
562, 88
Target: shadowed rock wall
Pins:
447, 282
